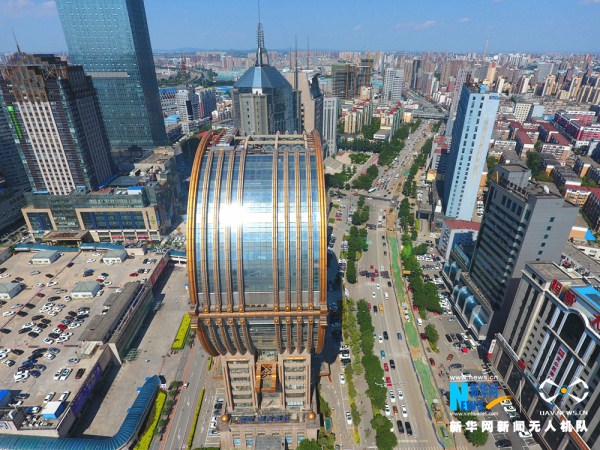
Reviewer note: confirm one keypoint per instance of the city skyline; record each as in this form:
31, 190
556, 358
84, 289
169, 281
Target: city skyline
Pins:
414, 27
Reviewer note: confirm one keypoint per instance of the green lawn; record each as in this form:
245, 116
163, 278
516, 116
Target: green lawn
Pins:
430, 394
182, 333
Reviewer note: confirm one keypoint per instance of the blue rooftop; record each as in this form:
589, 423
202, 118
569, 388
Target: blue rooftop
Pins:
122, 439
590, 294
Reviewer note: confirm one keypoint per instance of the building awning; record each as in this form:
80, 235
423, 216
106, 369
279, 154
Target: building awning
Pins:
589, 236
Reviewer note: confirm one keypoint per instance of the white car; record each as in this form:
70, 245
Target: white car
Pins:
400, 394
28, 325
107, 283
74, 325
48, 341
5, 275
18, 305
525, 434
50, 356
53, 313
380, 339
65, 374
35, 272
387, 410
73, 360
21, 375
91, 260
8, 362
342, 379
378, 286
373, 294
37, 330
40, 284
62, 339
404, 411
49, 397
392, 396
8, 313
51, 283
348, 418
67, 298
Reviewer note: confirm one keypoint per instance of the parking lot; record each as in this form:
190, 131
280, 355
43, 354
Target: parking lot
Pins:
42, 324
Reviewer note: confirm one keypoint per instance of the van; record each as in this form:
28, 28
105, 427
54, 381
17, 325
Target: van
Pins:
386, 295
419, 321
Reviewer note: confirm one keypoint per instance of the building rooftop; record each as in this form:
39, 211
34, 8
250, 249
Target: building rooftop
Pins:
5, 288
44, 254
85, 286
462, 224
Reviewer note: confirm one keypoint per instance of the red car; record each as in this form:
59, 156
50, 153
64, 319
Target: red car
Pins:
423, 337
371, 267
133, 274
372, 280
369, 305
388, 381
40, 295
61, 326
376, 272
386, 367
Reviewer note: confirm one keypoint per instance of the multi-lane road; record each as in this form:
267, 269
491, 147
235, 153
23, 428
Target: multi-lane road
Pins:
389, 319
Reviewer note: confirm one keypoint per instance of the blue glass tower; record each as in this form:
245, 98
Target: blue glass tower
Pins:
110, 39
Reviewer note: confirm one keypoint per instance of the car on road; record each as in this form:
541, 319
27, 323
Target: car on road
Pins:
386, 368
342, 379
382, 353
373, 294
392, 396
399, 336
400, 426
506, 403
423, 336
432, 362
510, 409
381, 308
348, 418
380, 339
408, 428
449, 338
525, 434
386, 336
404, 411
503, 443
388, 382
392, 364
375, 309
456, 366
387, 410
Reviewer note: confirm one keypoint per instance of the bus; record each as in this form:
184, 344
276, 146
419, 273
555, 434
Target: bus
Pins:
371, 190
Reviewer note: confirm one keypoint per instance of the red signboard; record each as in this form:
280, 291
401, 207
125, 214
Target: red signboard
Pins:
491, 349
569, 297
555, 286
596, 322
558, 360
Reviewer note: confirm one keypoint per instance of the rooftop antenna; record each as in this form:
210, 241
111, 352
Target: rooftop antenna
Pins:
485, 49
16, 42
308, 53
261, 52
296, 64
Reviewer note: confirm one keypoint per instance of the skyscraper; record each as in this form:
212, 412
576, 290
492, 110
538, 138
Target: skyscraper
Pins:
523, 221
471, 135
461, 79
57, 123
257, 263
263, 100
110, 39
393, 83
330, 121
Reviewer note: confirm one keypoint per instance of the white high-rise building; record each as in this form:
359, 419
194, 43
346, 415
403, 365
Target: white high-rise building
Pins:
330, 118
187, 105
461, 78
393, 83
471, 135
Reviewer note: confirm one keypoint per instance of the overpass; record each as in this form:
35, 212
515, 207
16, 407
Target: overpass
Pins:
419, 114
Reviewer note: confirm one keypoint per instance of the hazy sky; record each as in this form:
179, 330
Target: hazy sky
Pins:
421, 25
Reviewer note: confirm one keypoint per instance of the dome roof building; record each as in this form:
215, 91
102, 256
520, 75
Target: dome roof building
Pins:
263, 100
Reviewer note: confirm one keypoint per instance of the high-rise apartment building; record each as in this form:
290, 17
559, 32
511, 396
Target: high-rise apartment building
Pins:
110, 39
257, 263
523, 221
207, 103
471, 135
393, 83
344, 81
187, 105
56, 123
263, 100
309, 100
548, 355
330, 120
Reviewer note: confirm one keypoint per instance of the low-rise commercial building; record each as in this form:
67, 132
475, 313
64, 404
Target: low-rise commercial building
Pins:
456, 232
45, 257
85, 289
9, 290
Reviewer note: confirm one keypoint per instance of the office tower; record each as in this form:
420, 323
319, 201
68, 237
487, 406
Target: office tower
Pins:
263, 100
309, 100
57, 124
461, 79
257, 263
415, 69
187, 104
393, 83
110, 39
13, 179
544, 70
548, 354
330, 121
523, 221
344, 81
471, 135
207, 102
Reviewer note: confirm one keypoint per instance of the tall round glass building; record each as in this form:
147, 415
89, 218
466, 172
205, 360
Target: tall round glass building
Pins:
257, 256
